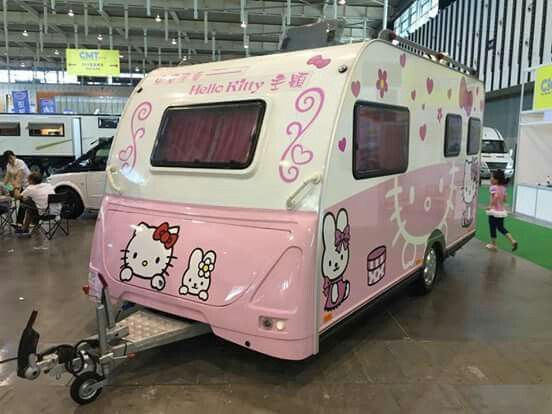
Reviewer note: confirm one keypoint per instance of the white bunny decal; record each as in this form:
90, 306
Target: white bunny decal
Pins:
149, 253
197, 278
335, 259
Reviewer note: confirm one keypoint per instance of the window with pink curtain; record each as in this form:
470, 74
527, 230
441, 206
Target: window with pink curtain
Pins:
380, 140
209, 136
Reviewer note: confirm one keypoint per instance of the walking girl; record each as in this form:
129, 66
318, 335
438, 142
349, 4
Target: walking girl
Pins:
496, 210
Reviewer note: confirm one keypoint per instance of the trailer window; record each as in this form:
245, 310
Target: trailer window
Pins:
453, 135
110, 123
220, 135
380, 140
46, 130
9, 129
474, 136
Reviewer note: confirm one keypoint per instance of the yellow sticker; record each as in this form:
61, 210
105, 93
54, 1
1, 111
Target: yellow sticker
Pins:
543, 88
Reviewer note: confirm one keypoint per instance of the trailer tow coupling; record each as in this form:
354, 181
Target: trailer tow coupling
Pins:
91, 360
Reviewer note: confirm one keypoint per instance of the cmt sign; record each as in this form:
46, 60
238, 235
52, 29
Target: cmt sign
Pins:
89, 55
542, 99
93, 62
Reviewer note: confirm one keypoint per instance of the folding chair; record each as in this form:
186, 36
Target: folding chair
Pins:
53, 218
7, 210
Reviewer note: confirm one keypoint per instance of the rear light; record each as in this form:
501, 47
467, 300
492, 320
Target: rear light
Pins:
269, 324
86, 289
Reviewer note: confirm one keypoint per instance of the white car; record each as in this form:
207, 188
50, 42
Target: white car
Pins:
84, 179
494, 155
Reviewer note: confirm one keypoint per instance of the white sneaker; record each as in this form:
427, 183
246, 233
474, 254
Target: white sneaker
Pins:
490, 247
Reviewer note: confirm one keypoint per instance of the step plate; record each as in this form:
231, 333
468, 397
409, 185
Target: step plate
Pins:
149, 329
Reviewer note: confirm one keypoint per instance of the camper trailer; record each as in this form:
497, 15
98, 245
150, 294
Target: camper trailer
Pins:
48, 141
267, 200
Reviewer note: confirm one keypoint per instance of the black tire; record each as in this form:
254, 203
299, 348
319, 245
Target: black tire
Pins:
80, 392
74, 207
430, 271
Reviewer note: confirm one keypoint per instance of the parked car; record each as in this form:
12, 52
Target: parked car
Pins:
84, 179
494, 155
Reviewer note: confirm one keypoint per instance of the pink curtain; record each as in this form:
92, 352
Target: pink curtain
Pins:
382, 139
217, 134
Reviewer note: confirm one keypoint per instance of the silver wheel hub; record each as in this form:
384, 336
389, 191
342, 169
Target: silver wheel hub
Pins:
430, 269
87, 390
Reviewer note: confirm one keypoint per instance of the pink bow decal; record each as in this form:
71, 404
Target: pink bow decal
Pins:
162, 234
342, 238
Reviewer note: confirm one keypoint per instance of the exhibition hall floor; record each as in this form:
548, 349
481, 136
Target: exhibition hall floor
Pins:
480, 342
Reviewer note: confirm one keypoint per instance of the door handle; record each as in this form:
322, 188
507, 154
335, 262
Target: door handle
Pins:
110, 171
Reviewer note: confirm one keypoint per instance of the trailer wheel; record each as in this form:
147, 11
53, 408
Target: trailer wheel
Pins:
82, 388
428, 276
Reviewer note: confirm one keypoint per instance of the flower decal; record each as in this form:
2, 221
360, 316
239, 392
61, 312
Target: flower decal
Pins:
439, 114
381, 84
205, 267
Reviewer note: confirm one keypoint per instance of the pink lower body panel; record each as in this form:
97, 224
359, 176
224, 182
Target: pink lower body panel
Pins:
230, 268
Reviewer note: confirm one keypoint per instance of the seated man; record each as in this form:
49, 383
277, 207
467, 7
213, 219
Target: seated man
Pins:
34, 199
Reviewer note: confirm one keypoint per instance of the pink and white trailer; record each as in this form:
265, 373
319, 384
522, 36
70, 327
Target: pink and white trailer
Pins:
268, 199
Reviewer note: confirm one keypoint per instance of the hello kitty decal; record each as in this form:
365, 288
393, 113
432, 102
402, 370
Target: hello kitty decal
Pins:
336, 239
197, 277
469, 191
149, 254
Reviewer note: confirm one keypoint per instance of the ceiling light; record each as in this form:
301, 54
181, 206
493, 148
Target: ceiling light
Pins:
158, 18
56, 52
173, 41
100, 37
137, 69
243, 25
342, 2
70, 13
22, 64
121, 56
25, 33
246, 46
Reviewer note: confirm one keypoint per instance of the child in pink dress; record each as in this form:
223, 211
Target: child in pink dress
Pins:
496, 210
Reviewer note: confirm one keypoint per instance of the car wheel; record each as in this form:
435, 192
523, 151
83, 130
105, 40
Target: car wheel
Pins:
74, 206
430, 271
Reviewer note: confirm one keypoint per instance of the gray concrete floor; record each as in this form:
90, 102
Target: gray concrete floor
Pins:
481, 342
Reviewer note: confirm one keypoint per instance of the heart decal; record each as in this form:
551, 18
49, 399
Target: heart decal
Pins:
413, 95
355, 88
342, 144
423, 132
125, 154
318, 61
300, 155
403, 60
429, 85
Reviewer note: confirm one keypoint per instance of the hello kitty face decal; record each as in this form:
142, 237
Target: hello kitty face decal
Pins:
196, 280
336, 239
149, 254
421, 200
469, 191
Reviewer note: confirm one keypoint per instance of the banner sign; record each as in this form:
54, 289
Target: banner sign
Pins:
93, 62
21, 102
47, 106
543, 88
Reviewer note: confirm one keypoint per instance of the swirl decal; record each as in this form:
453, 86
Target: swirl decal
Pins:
128, 155
295, 155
